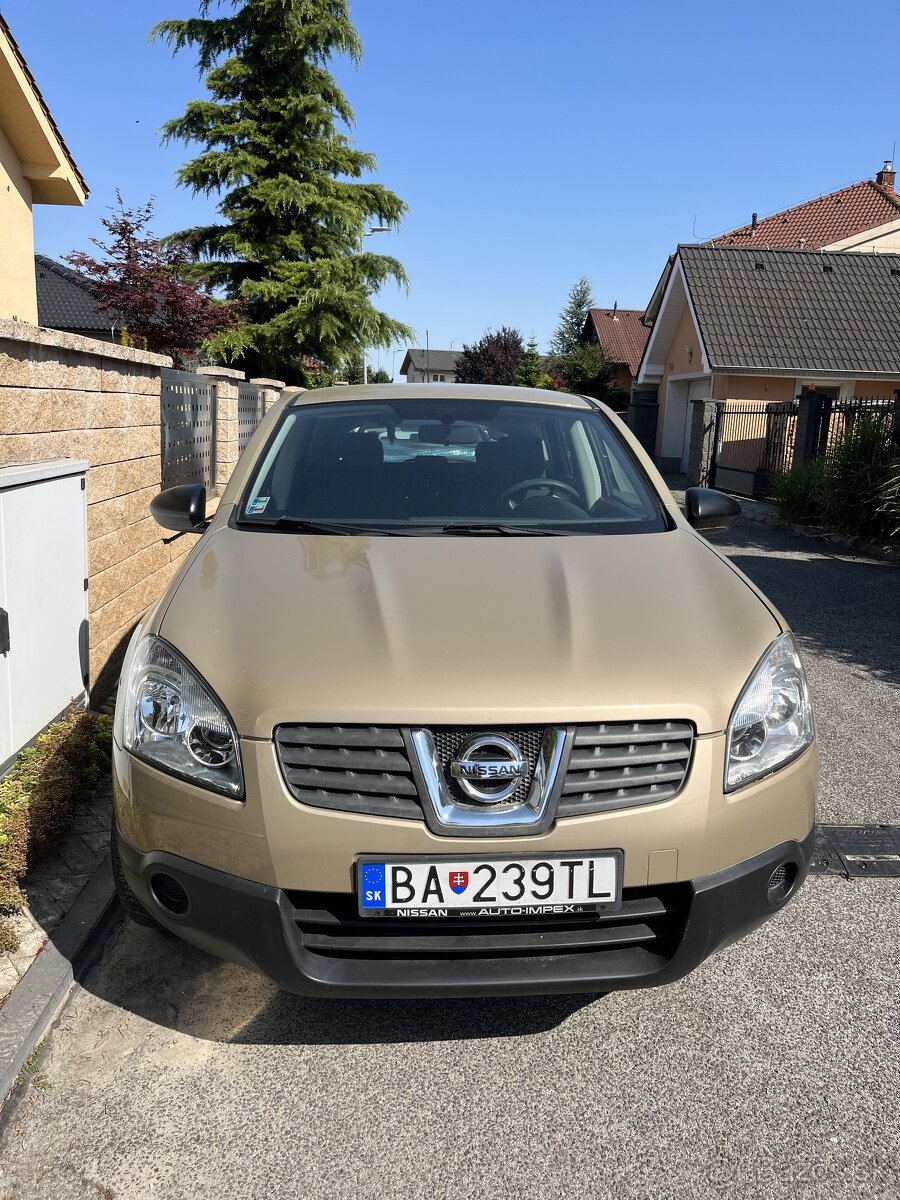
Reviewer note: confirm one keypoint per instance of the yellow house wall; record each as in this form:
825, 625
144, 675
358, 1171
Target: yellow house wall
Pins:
18, 297
768, 388
876, 387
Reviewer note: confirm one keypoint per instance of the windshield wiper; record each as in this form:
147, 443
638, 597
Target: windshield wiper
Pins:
305, 525
336, 528
505, 530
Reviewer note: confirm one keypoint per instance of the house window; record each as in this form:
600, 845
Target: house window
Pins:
439, 379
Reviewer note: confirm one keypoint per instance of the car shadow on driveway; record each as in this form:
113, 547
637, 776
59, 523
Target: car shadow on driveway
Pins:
841, 607
177, 987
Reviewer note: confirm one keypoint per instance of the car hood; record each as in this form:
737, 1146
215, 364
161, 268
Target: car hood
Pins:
467, 630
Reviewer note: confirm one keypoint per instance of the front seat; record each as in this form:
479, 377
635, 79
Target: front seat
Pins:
347, 479
511, 460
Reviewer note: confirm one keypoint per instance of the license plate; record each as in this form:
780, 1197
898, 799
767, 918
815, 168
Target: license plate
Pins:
531, 885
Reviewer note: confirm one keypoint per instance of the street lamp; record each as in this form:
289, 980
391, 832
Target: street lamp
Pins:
368, 233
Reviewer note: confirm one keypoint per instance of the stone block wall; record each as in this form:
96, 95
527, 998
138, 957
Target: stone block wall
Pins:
64, 396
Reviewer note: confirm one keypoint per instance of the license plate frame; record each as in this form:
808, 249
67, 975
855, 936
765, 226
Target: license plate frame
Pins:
482, 911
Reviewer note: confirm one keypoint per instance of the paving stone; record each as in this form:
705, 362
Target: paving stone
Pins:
87, 820
78, 856
69, 887
98, 841
101, 809
45, 908
59, 882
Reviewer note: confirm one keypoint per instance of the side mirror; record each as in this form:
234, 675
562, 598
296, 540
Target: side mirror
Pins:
709, 511
182, 508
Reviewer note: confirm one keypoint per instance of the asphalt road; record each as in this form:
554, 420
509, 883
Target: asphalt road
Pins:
770, 1072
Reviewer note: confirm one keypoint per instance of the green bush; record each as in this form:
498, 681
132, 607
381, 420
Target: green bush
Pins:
67, 764
800, 494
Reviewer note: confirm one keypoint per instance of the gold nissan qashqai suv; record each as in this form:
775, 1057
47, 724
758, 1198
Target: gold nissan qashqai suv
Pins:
451, 699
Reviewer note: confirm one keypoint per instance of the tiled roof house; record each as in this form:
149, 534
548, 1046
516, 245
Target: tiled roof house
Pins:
805, 274
65, 301
764, 325
622, 336
863, 216
429, 366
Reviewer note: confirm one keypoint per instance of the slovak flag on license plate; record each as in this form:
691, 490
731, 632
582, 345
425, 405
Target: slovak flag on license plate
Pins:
459, 881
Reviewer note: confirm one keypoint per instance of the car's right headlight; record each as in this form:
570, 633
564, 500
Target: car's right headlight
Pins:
173, 721
772, 721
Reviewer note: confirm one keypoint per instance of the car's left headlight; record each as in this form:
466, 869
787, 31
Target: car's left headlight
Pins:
173, 721
772, 721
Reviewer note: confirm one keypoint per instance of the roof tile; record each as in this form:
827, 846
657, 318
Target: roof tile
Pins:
621, 335
783, 310
66, 300
820, 222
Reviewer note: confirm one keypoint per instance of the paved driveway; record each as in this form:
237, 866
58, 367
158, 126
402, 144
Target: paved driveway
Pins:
769, 1072
846, 611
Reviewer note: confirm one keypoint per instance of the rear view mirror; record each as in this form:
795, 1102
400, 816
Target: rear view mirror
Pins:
182, 508
709, 511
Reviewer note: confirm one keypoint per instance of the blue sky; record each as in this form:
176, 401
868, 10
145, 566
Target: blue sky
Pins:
533, 142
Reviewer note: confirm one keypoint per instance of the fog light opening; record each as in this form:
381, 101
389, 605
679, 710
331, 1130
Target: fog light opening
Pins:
781, 885
169, 894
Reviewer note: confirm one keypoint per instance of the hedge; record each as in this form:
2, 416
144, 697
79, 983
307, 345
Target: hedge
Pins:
68, 764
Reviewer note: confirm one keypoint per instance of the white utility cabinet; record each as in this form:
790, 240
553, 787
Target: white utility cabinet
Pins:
43, 597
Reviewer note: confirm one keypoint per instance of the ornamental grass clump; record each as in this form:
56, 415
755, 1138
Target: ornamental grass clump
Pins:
68, 764
889, 505
800, 493
856, 472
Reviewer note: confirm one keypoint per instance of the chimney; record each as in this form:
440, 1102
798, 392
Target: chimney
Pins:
754, 221
886, 176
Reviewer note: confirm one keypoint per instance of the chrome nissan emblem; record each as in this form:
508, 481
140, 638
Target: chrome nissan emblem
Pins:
489, 768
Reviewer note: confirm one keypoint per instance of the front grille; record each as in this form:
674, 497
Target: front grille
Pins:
352, 768
449, 738
619, 764
650, 923
367, 769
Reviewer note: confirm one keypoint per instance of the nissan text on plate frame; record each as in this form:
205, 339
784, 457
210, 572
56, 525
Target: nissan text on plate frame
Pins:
450, 698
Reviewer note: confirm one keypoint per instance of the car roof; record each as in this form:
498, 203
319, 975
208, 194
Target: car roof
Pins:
438, 391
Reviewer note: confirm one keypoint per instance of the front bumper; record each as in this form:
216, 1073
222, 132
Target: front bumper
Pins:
314, 944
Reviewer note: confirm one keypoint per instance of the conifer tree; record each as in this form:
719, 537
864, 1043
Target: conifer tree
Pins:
530, 369
294, 200
572, 319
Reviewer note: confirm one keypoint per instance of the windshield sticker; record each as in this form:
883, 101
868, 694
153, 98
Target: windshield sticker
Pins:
257, 505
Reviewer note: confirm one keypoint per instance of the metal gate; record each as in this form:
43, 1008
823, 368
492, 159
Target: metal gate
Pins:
834, 420
752, 444
187, 429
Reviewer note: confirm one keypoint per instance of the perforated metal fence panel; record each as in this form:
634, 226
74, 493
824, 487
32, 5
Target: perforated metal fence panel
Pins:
251, 410
188, 429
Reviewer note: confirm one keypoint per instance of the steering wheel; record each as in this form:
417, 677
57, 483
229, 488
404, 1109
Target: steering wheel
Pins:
551, 485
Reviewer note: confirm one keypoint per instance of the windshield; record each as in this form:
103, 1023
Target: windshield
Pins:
427, 466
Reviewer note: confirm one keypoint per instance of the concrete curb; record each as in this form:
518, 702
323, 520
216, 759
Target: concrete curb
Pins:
74, 947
